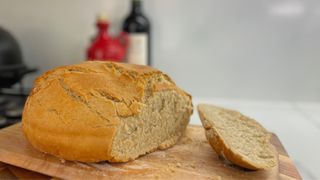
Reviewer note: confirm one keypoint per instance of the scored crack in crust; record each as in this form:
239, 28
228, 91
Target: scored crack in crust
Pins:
80, 112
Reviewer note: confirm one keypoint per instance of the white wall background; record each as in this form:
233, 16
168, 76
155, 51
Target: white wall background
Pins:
218, 48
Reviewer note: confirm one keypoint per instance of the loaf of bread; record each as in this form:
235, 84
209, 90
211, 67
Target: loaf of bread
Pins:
104, 111
239, 139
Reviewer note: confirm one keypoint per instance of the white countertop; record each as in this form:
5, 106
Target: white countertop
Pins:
297, 124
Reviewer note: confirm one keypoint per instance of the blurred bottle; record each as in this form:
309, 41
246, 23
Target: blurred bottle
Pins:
105, 47
138, 27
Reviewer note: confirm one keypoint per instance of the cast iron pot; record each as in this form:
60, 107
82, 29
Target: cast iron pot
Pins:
12, 68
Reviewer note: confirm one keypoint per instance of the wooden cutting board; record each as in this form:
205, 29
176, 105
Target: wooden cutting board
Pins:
191, 158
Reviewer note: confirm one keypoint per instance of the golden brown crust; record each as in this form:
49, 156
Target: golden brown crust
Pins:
73, 111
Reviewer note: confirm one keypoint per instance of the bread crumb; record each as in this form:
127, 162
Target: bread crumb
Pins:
186, 140
62, 160
178, 164
193, 166
171, 167
156, 176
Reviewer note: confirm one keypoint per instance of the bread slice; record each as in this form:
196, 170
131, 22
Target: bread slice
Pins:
104, 111
239, 139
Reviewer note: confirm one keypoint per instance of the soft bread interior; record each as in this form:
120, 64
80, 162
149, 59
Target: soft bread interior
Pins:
243, 136
159, 125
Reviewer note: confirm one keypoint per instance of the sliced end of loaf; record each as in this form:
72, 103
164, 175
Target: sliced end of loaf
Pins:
237, 138
159, 125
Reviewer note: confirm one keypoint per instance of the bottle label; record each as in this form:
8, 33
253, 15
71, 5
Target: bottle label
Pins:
138, 49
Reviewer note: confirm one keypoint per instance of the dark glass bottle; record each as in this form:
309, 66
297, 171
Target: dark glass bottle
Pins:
137, 26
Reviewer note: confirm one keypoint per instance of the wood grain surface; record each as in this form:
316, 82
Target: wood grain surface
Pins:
190, 158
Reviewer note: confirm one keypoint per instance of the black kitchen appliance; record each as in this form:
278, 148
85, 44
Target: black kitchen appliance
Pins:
12, 70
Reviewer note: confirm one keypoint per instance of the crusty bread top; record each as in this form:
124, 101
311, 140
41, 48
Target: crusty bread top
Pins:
122, 83
237, 138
